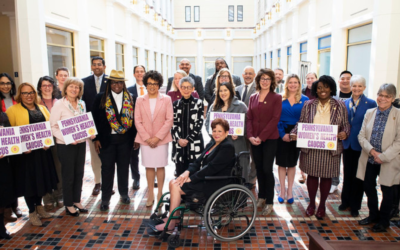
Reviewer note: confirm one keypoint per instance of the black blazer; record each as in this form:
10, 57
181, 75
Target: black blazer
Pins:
210, 87
102, 125
198, 85
218, 163
133, 91
89, 90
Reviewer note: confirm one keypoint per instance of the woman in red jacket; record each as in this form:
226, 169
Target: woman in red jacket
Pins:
263, 116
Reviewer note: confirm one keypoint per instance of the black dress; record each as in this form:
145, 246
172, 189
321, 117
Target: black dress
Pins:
35, 174
7, 195
218, 162
287, 153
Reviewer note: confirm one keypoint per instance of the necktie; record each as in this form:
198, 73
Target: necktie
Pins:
245, 93
97, 84
141, 91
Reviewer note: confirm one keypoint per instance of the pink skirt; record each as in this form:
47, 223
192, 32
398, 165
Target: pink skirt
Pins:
154, 157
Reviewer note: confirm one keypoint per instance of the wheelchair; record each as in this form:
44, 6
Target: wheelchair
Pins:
228, 214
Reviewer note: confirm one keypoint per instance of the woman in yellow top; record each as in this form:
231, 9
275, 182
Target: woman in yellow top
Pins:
34, 169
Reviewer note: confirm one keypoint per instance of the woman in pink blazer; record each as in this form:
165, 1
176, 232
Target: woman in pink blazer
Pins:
153, 120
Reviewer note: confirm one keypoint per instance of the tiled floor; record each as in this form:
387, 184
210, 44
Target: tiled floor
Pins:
123, 228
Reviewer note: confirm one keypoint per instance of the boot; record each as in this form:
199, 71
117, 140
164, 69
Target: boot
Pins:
8, 215
3, 231
42, 213
34, 219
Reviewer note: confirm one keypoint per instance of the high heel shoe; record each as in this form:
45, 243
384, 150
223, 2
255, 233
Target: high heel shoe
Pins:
281, 200
290, 201
149, 203
67, 212
320, 213
81, 210
310, 211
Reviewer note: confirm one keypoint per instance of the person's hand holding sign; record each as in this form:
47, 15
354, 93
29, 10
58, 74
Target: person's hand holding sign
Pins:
1, 156
234, 137
342, 136
293, 137
97, 146
286, 138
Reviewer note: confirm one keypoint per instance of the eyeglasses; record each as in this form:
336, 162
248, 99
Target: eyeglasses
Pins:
187, 87
385, 96
47, 86
265, 79
115, 83
5, 84
25, 94
153, 84
222, 76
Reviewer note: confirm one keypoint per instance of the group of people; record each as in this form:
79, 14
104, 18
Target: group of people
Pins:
140, 119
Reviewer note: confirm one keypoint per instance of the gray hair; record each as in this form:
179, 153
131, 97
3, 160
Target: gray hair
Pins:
283, 72
389, 88
357, 79
186, 79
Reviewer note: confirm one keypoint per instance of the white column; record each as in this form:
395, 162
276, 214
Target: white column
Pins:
385, 46
31, 39
338, 40
312, 41
82, 47
295, 45
228, 57
283, 47
141, 50
200, 59
109, 44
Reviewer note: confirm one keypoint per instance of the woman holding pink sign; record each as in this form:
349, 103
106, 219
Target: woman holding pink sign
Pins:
34, 169
72, 156
321, 165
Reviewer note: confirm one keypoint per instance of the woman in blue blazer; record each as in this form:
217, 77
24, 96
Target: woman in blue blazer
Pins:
357, 106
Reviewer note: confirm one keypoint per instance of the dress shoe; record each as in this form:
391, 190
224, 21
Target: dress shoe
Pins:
126, 200
149, 203
354, 213
3, 231
4, 235
34, 219
42, 213
81, 210
17, 211
49, 207
333, 189
267, 209
290, 201
281, 200
96, 189
320, 213
260, 202
8, 215
378, 228
60, 204
104, 207
394, 212
76, 214
310, 210
367, 221
343, 207
135, 185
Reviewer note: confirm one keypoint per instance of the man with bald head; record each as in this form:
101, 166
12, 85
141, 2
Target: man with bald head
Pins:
198, 84
248, 88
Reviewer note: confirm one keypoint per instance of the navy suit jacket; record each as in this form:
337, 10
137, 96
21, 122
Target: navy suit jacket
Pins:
89, 90
355, 125
133, 91
198, 85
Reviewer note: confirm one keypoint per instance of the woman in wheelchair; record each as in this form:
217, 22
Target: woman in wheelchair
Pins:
217, 159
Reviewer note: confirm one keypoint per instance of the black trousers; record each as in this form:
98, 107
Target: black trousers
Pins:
134, 161
371, 173
353, 189
115, 153
32, 202
263, 156
72, 159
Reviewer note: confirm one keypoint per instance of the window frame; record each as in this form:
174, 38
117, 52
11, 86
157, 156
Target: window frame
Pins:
237, 13
288, 57
279, 58
303, 52
233, 12
194, 14
319, 43
188, 20
122, 54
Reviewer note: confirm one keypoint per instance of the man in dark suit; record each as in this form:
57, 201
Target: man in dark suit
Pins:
210, 83
198, 84
137, 90
93, 85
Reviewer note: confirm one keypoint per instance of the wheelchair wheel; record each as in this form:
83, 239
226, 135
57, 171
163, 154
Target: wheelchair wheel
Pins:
173, 241
230, 212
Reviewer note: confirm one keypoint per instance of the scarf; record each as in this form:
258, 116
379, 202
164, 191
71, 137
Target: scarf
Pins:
353, 106
80, 108
126, 114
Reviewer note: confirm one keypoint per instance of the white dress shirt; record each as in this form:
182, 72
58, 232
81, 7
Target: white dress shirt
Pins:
118, 101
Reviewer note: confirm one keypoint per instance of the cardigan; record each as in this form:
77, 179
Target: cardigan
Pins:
290, 114
18, 115
59, 112
263, 117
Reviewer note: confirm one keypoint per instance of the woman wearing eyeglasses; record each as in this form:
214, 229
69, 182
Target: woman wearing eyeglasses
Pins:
154, 118
113, 115
263, 116
35, 172
176, 93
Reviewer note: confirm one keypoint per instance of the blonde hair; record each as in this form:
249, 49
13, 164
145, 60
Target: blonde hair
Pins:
286, 89
183, 74
217, 81
18, 98
73, 80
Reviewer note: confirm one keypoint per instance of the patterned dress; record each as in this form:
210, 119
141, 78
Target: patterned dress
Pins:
318, 162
